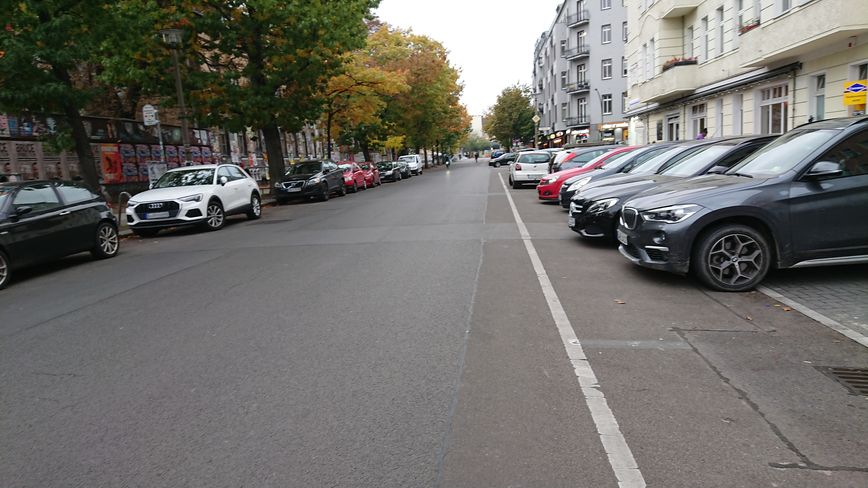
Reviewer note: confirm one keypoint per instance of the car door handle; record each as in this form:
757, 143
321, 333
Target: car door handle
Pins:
65, 212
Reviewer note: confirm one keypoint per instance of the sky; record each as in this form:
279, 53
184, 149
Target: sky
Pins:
490, 41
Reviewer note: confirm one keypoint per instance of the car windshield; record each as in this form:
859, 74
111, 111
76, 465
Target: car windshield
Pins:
384, 165
533, 158
409, 159
612, 161
697, 161
305, 169
188, 177
345, 167
653, 164
784, 153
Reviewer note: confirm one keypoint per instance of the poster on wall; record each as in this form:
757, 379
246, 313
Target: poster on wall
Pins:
4, 125
207, 156
182, 157
196, 154
143, 154
172, 157
156, 154
111, 164
130, 162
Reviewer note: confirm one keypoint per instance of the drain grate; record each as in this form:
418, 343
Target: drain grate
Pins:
855, 380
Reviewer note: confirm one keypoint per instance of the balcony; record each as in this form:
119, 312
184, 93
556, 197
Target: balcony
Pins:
577, 87
673, 9
806, 29
576, 121
675, 82
576, 53
577, 19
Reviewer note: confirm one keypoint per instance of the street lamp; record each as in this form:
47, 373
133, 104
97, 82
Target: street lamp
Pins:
173, 38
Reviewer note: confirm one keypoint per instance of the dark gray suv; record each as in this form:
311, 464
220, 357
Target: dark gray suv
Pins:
800, 201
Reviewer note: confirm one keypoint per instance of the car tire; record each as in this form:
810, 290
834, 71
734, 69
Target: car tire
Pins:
215, 216
255, 207
497, 165
107, 242
146, 232
365, 185
516, 185
5, 270
355, 187
731, 257
324, 195
342, 192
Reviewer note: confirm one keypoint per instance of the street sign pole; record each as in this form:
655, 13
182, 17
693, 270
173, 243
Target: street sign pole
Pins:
536, 121
151, 116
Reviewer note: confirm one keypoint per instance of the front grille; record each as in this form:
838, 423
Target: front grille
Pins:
293, 184
153, 207
631, 218
631, 250
657, 254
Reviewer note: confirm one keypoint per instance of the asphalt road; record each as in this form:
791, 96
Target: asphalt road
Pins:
400, 337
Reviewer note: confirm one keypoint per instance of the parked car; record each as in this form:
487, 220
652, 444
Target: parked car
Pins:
372, 174
497, 153
194, 195
309, 179
528, 168
414, 161
578, 157
623, 163
405, 169
389, 170
354, 177
795, 203
502, 160
549, 187
595, 213
42, 221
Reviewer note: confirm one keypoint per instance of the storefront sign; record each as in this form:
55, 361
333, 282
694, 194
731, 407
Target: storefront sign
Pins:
855, 92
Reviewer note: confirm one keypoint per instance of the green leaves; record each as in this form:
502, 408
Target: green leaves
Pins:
511, 117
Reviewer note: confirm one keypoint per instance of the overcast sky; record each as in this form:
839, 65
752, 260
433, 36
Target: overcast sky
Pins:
490, 41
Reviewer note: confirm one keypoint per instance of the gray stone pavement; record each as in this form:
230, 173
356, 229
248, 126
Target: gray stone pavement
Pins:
840, 293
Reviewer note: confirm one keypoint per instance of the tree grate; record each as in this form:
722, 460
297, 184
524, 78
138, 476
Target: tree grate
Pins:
855, 380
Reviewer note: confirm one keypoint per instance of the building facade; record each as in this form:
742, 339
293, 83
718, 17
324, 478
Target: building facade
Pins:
580, 75
731, 67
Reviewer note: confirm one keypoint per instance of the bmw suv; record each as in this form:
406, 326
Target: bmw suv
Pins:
800, 201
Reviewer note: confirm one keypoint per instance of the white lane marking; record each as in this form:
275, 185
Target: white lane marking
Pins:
805, 310
620, 457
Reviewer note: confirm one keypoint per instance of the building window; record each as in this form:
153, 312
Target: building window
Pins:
705, 39
583, 108
863, 72
697, 120
652, 58
623, 67
818, 97
624, 31
784, 6
563, 79
644, 61
688, 42
607, 104
624, 101
773, 109
737, 114
605, 4
563, 46
606, 34
581, 39
720, 31
582, 72
607, 69
565, 111
673, 128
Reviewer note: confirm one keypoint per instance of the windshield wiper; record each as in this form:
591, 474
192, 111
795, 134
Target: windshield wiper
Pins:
740, 174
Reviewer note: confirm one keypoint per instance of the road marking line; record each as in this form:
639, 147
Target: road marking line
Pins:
620, 457
805, 310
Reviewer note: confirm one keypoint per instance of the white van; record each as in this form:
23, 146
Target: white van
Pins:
414, 162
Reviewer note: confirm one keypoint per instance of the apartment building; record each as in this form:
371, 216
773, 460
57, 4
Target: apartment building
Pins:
580, 73
733, 67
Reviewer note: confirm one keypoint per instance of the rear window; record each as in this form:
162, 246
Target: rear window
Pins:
533, 158
72, 193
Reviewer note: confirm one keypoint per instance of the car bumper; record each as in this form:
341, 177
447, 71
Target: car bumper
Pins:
656, 245
548, 192
527, 177
565, 196
179, 213
307, 191
594, 226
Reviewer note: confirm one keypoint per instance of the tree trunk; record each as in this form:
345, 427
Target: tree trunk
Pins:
296, 154
329, 132
306, 149
366, 150
276, 166
86, 162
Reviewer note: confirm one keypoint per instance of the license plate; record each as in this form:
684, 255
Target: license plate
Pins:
536, 177
571, 222
622, 237
157, 215
293, 189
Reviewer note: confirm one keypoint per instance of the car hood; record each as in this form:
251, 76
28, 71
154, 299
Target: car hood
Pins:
625, 189
299, 177
163, 194
692, 190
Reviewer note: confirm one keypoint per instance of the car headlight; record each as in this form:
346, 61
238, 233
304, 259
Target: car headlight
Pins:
573, 207
579, 184
315, 180
602, 205
132, 203
670, 215
192, 198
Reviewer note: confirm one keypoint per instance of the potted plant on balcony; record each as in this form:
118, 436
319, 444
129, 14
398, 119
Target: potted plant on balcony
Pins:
748, 25
679, 62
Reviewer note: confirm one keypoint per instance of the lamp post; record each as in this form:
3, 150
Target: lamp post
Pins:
602, 113
173, 39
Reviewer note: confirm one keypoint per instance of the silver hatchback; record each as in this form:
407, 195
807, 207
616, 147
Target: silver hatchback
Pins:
529, 167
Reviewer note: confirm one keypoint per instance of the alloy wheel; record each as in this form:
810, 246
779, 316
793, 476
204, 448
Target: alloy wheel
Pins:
735, 259
107, 239
256, 207
4, 270
214, 217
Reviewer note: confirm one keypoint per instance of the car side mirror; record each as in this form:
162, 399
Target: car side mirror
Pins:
824, 169
20, 212
718, 170
223, 180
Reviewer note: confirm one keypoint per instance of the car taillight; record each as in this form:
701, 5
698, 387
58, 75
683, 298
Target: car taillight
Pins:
517, 167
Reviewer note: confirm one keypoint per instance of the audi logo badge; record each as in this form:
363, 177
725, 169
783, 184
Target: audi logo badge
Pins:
155, 205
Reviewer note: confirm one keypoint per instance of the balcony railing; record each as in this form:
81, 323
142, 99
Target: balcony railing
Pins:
576, 52
576, 87
578, 18
576, 121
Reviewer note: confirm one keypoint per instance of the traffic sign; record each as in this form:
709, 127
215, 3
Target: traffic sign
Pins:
536, 119
149, 114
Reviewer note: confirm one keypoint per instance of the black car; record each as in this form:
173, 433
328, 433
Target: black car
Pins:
621, 163
594, 212
46, 220
310, 179
389, 170
502, 160
800, 201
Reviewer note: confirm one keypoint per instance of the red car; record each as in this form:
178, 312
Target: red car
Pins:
354, 176
372, 174
549, 187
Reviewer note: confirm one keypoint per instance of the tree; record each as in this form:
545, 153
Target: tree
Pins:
46, 44
475, 143
511, 117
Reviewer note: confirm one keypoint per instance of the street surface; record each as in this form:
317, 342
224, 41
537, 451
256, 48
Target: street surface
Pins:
401, 337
